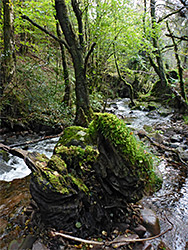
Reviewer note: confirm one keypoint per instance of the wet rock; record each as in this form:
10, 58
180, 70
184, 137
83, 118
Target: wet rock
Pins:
158, 137
150, 221
148, 128
183, 153
174, 145
148, 246
176, 138
114, 105
140, 230
38, 245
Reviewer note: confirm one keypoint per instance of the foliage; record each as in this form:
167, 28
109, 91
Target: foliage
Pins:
39, 87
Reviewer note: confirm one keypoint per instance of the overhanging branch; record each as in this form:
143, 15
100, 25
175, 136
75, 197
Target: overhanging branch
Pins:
45, 31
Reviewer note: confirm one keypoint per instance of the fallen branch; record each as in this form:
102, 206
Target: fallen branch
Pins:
109, 243
17, 152
34, 141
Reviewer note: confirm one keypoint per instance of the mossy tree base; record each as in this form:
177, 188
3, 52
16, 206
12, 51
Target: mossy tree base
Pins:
93, 174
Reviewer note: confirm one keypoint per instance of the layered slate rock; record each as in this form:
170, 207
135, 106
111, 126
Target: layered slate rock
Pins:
94, 172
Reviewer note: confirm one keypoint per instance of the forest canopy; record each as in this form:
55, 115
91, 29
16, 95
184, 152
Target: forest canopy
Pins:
58, 73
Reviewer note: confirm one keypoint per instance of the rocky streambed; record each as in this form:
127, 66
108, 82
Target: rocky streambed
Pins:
158, 124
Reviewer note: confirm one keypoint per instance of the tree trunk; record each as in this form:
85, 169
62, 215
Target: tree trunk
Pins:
8, 59
67, 95
180, 68
83, 110
159, 68
8, 63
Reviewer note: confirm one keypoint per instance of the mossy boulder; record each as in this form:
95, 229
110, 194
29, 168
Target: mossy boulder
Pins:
92, 172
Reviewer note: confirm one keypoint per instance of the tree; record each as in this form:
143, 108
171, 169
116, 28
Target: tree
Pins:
159, 67
76, 49
8, 57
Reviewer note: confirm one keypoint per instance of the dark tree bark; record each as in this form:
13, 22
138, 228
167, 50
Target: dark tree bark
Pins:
158, 66
180, 69
8, 58
83, 110
67, 95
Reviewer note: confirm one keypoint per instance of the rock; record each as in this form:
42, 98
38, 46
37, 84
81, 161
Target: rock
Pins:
28, 242
148, 246
158, 137
183, 153
150, 221
176, 138
140, 230
38, 245
174, 145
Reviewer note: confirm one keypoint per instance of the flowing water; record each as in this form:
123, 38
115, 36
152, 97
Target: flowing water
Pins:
171, 200
13, 167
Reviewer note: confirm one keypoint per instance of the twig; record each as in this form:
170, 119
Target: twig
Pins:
108, 243
53, 234
170, 14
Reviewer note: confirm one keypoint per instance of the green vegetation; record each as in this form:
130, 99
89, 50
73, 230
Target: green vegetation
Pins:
39, 87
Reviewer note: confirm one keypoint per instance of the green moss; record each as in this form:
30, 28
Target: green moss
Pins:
76, 156
128, 147
67, 169
73, 133
42, 158
79, 183
57, 164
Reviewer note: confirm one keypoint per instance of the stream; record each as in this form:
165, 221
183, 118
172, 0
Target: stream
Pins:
170, 201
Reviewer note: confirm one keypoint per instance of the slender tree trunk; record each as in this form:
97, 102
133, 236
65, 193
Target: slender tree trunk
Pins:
180, 69
67, 95
83, 110
8, 58
159, 68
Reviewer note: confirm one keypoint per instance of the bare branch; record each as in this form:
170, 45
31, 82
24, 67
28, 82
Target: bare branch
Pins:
182, 38
121, 78
170, 14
